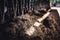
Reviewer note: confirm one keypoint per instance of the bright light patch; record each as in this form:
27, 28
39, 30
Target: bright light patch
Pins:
36, 24
43, 17
30, 31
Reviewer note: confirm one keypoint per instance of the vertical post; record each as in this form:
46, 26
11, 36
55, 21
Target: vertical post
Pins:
1, 11
28, 5
19, 11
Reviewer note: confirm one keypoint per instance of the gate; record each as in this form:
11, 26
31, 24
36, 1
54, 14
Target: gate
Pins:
9, 9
